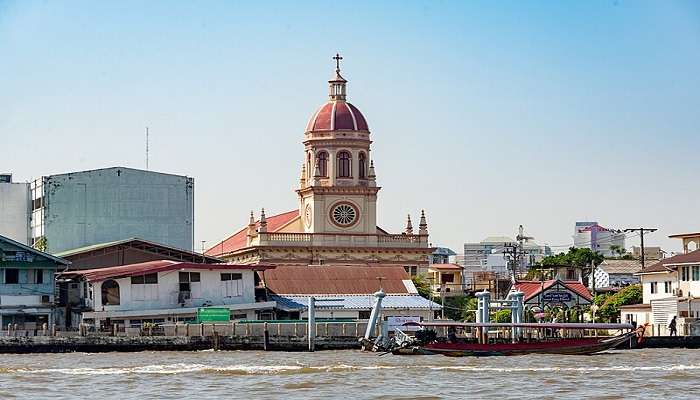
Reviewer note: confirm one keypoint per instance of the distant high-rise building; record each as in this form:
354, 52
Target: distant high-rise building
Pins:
597, 238
14, 209
84, 208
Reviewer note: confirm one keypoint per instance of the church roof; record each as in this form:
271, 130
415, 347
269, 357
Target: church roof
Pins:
337, 115
238, 240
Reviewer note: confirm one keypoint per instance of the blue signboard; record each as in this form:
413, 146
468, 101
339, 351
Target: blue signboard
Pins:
557, 297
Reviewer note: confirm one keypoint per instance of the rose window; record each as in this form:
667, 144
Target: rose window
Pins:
344, 214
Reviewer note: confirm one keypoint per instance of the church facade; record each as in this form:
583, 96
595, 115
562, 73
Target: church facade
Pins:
336, 219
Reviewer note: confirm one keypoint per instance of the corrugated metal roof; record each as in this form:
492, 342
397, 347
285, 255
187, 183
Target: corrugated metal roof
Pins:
130, 241
122, 271
621, 266
335, 279
357, 302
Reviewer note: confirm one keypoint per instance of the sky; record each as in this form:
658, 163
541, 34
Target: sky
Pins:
485, 114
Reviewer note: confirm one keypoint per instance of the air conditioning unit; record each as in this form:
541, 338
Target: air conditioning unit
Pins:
45, 299
678, 292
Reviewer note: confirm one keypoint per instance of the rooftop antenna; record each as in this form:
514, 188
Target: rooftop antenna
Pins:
146, 148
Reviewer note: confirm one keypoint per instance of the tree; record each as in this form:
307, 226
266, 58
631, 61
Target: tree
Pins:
503, 316
422, 285
610, 310
619, 250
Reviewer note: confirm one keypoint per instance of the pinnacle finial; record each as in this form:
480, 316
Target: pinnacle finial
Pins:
263, 221
251, 221
423, 227
409, 226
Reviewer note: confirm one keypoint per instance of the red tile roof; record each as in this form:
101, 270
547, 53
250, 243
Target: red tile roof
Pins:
672, 262
334, 279
238, 240
452, 267
533, 288
122, 271
337, 115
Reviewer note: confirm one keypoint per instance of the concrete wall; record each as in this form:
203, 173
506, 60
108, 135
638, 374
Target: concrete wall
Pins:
659, 279
164, 294
90, 207
14, 211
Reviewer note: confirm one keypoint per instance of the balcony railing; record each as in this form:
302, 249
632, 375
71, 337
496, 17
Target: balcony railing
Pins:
339, 239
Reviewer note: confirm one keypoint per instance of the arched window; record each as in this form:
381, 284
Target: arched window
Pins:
344, 161
110, 293
323, 163
362, 167
309, 171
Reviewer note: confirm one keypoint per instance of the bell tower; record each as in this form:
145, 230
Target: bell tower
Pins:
337, 188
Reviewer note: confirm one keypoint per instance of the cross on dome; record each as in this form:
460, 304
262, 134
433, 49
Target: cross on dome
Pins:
337, 59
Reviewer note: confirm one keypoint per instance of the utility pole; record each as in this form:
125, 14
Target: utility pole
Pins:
641, 238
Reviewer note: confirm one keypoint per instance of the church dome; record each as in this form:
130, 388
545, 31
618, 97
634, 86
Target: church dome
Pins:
337, 115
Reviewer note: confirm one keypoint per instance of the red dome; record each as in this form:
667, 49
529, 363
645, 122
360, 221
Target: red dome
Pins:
337, 115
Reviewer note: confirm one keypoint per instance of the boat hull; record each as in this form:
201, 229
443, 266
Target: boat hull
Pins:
581, 346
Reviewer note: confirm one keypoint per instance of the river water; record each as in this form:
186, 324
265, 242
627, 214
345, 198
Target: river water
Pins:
648, 373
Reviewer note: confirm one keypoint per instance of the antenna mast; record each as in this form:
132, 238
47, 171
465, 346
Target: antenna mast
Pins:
146, 148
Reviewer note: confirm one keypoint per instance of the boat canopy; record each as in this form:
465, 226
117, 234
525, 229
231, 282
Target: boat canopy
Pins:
547, 325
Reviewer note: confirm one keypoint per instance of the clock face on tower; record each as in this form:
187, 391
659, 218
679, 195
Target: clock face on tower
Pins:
344, 214
308, 215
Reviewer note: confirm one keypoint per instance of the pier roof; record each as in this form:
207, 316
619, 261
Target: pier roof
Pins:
356, 302
533, 288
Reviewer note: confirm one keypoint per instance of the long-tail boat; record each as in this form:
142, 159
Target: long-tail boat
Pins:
546, 340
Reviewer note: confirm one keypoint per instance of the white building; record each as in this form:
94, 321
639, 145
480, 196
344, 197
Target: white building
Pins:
669, 289
597, 238
14, 209
616, 273
167, 291
84, 208
488, 256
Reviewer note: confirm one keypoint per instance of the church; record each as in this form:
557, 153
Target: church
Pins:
336, 219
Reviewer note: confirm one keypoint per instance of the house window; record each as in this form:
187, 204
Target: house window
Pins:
148, 279
231, 284
447, 278
39, 276
685, 273
362, 167
344, 161
11, 276
323, 163
110, 293
570, 274
654, 287
363, 314
667, 287
411, 270
144, 287
696, 272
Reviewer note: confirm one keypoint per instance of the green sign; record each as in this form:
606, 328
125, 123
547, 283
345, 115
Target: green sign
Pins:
213, 314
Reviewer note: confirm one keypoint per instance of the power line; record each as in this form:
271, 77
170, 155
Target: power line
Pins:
641, 236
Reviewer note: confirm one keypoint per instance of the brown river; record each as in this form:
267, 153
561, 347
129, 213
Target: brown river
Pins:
648, 374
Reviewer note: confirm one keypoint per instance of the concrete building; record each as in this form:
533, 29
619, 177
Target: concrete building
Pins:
14, 209
167, 291
446, 280
442, 255
352, 289
597, 238
26, 285
669, 288
651, 253
488, 256
335, 221
84, 208
71, 305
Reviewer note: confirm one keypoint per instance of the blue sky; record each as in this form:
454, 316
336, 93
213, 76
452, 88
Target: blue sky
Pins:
486, 114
